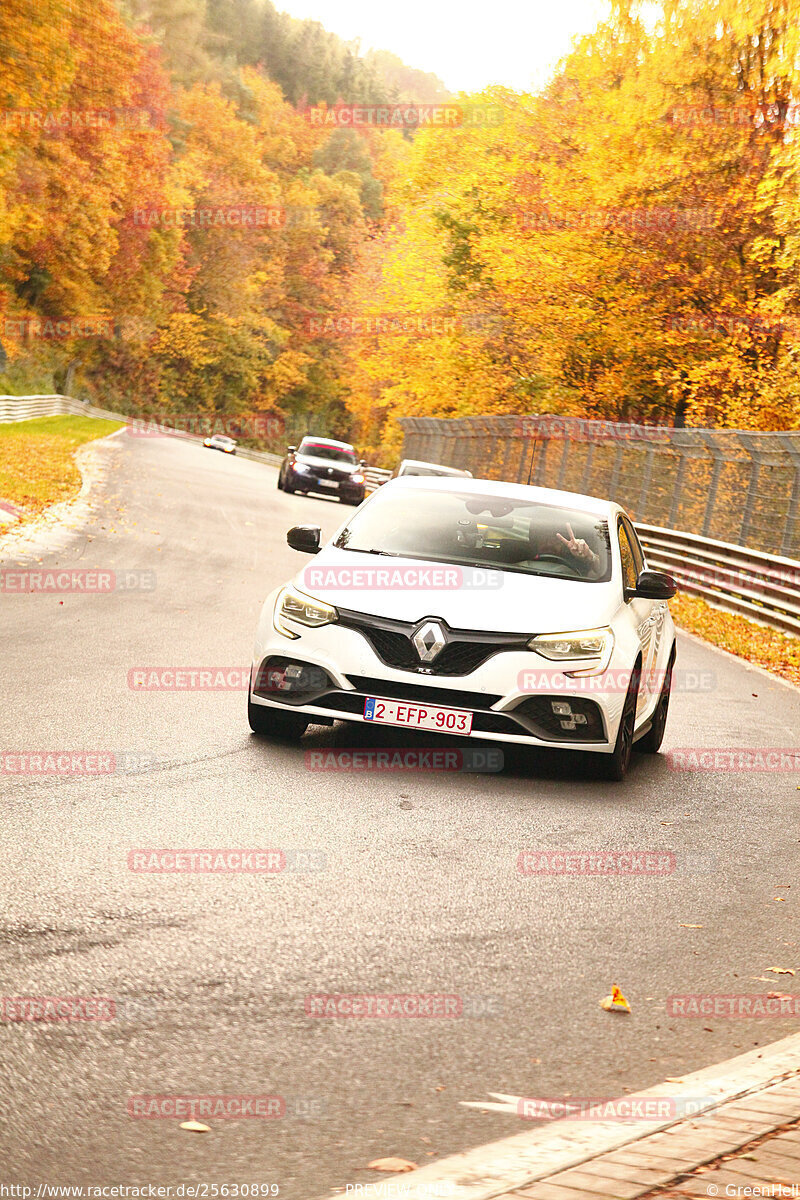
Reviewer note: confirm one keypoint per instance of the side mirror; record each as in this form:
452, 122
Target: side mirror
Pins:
291, 449
654, 585
362, 462
304, 538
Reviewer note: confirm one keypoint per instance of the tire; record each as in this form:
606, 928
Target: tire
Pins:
287, 487
276, 722
651, 742
278, 484
614, 766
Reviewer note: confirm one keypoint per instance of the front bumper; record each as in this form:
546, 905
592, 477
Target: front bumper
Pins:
306, 481
343, 669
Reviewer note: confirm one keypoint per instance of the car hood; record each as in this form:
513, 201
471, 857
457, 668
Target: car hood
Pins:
501, 601
309, 460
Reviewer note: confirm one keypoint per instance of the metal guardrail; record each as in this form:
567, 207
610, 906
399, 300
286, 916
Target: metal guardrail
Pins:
375, 476
763, 587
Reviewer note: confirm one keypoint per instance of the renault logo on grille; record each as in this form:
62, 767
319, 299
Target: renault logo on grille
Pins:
428, 641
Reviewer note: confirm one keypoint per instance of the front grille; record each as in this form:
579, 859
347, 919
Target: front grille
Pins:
317, 473
448, 697
464, 651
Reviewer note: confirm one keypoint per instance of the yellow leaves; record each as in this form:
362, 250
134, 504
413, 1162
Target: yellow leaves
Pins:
37, 466
616, 1002
391, 1164
767, 648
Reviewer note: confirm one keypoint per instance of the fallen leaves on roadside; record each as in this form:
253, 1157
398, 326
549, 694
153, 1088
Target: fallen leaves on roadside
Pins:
616, 1002
778, 996
391, 1164
769, 648
684, 926
781, 970
195, 1127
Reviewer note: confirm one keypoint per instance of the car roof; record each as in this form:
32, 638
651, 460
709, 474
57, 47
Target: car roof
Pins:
420, 462
309, 437
594, 505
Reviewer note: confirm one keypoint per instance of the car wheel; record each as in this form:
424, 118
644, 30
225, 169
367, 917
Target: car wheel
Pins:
651, 742
278, 483
287, 487
275, 721
614, 766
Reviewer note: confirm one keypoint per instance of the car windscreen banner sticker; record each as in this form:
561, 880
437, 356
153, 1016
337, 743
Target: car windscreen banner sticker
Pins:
369, 710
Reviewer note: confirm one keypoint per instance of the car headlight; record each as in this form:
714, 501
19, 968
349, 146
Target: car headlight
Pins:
301, 467
594, 645
294, 606
357, 478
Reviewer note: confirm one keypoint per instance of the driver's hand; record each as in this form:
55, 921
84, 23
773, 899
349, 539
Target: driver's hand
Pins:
577, 546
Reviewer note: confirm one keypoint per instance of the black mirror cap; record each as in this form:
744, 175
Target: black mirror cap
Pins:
305, 538
655, 585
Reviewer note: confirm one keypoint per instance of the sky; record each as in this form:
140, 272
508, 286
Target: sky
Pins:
468, 44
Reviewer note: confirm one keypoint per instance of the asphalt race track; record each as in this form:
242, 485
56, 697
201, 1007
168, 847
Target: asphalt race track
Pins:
416, 887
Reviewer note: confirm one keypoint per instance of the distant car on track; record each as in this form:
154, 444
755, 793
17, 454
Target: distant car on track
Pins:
327, 467
498, 610
218, 442
415, 466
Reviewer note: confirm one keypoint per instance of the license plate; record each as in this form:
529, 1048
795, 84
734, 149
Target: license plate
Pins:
327, 483
418, 716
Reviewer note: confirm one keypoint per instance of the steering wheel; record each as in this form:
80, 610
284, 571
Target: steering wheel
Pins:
557, 559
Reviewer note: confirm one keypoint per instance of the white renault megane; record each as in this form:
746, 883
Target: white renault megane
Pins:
478, 608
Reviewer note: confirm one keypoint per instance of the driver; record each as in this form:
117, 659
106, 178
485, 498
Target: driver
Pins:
574, 551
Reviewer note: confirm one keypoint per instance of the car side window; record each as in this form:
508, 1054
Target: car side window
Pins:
629, 572
635, 544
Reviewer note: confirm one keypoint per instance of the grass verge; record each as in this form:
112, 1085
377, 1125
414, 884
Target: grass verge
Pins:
768, 648
37, 460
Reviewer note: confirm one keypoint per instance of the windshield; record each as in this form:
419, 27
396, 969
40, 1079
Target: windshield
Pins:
325, 450
415, 470
501, 532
